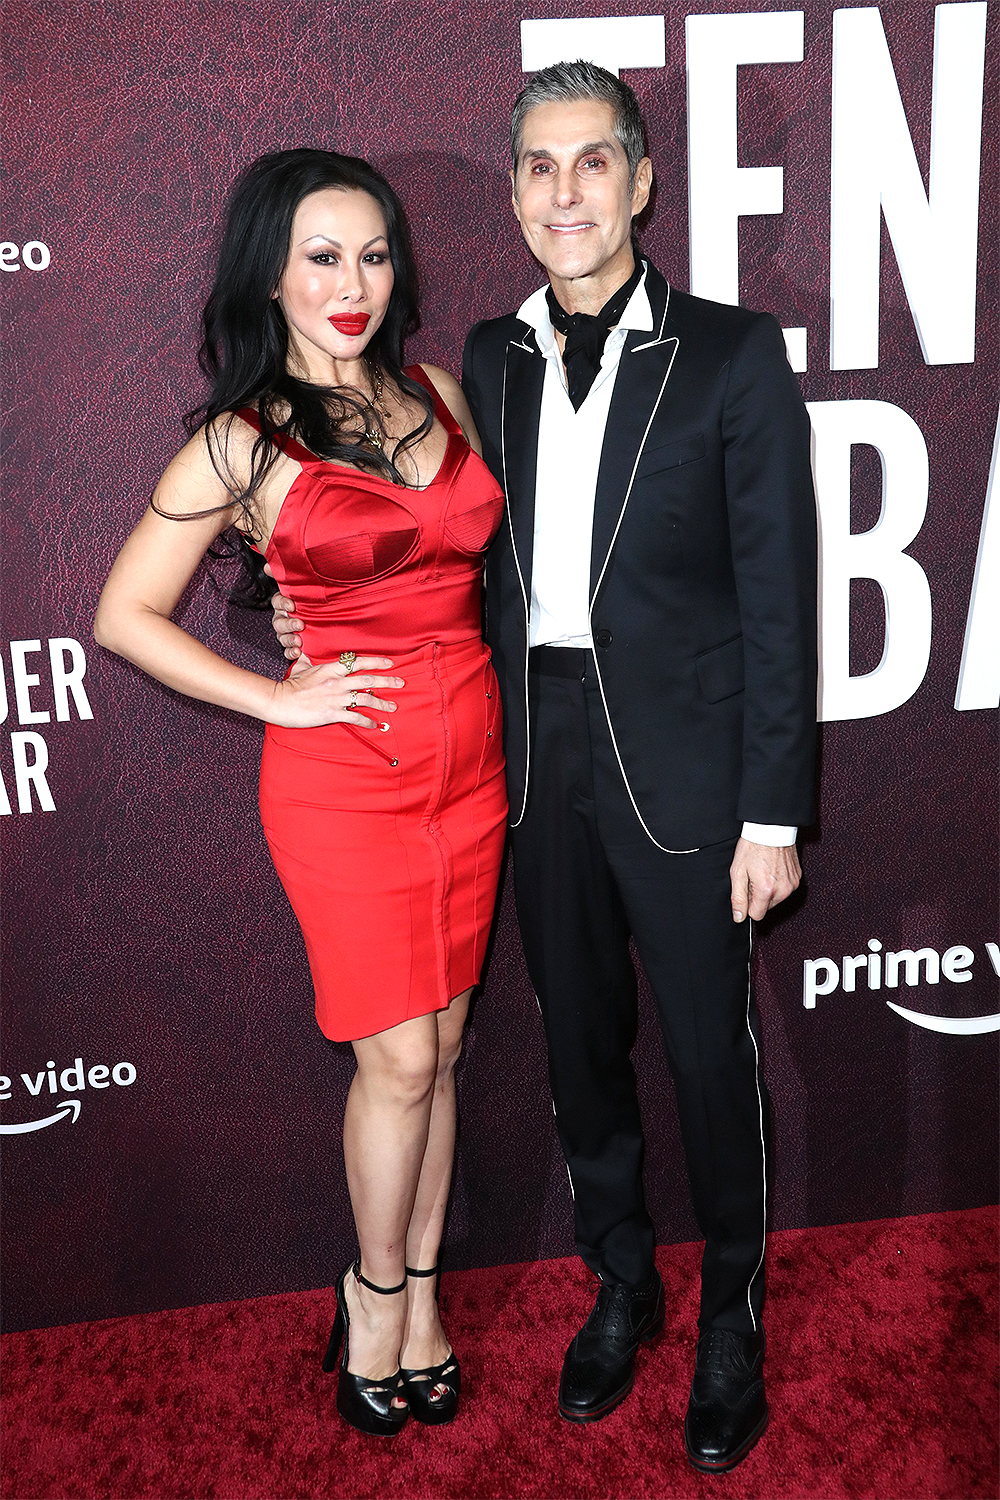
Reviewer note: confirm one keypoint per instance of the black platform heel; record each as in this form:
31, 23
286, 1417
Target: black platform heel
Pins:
419, 1385
365, 1404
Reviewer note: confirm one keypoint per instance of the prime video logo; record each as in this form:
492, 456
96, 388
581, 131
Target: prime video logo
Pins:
821, 976
72, 1080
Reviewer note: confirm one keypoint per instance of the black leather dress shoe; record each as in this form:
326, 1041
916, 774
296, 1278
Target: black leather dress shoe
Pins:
727, 1411
599, 1369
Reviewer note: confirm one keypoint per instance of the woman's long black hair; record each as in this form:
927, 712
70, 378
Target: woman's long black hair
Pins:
245, 348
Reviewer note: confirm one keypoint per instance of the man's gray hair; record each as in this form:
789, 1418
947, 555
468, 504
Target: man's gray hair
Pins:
564, 83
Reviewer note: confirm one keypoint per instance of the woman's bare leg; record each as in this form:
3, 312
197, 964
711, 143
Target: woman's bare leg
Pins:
386, 1128
424, 1341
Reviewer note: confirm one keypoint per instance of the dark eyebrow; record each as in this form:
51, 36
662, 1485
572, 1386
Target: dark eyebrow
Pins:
543, 152
336, 243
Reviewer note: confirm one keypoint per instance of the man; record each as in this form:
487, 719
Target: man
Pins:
651, 610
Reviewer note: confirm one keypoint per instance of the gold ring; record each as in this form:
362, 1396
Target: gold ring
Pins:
347, 659
353, 701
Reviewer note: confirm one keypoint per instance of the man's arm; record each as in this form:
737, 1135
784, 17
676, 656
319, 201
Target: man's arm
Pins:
470, 386
772, 519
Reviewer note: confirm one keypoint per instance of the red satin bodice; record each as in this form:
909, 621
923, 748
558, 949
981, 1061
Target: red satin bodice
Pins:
374, 567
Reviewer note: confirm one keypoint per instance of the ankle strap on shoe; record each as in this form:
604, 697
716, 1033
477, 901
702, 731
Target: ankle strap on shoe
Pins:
432, 1272
383, 1291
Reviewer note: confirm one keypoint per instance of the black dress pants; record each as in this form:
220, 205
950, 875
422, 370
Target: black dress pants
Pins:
586, 877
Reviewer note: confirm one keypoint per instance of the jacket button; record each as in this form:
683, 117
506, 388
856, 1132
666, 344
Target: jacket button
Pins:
603, 638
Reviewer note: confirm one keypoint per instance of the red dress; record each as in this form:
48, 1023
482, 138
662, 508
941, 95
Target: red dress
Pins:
389, 842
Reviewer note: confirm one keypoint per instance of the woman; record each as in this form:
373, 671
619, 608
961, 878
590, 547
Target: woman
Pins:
382, 790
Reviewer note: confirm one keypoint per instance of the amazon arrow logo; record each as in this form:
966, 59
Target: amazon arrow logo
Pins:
951, 1025
64, 1108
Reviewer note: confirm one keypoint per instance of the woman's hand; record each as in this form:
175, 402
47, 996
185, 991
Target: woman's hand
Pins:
332, 693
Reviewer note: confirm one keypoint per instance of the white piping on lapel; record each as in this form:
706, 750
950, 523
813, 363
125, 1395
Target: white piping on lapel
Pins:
513, 344
659, 337
638, 458
597, 587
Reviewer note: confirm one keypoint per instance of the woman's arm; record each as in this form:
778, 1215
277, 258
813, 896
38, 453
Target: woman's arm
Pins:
146, 583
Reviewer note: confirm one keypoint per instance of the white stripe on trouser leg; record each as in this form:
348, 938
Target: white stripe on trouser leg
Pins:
763, 1154
569, 1174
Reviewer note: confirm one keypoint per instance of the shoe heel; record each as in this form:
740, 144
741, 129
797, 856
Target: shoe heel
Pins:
365, 1404
333, 1347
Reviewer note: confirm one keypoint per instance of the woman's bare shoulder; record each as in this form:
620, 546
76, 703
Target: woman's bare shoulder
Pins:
453, 396
445, 384
213, 465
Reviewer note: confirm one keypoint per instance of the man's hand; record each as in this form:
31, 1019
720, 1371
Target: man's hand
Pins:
761, 877
286, 625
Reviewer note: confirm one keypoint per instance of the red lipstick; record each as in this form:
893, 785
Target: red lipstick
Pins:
351, 324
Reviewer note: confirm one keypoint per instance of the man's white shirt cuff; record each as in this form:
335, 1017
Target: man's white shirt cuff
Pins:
778, 835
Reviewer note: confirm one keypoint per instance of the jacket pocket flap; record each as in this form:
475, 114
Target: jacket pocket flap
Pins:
672, 455
720, 670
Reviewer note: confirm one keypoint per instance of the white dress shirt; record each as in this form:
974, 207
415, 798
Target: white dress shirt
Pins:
569, 457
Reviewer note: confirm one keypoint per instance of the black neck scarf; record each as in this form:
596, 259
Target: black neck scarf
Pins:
586, 336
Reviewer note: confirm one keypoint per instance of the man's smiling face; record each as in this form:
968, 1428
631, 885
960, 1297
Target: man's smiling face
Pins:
573, 199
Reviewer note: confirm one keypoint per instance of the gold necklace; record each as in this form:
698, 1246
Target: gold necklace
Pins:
376, 437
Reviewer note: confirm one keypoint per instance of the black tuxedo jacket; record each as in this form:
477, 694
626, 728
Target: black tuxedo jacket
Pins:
703, 564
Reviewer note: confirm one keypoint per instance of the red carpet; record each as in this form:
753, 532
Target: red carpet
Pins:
882, 1378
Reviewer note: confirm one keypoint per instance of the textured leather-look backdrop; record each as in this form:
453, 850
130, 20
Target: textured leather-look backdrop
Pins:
146, 931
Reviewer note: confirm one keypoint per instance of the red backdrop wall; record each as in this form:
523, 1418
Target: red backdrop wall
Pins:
146, 931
